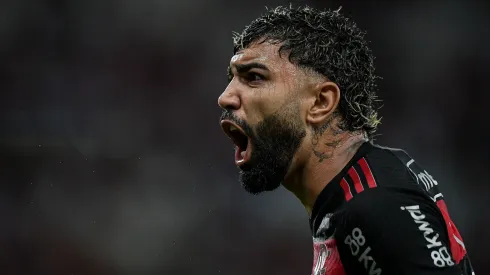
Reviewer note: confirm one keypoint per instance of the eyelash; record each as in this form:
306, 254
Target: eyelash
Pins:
250, 77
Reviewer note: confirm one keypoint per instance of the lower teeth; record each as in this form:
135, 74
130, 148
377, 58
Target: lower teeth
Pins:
242, 154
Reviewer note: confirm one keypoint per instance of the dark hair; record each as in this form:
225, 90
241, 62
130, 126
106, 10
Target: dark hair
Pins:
327, 43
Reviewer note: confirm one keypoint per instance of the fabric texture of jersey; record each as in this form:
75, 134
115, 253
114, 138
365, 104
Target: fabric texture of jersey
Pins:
383, 214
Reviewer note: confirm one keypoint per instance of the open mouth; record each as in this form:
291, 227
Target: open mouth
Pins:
243, 147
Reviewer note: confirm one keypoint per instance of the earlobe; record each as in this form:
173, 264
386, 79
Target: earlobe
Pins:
325, 104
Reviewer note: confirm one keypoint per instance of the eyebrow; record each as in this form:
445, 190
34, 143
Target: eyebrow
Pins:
243, 68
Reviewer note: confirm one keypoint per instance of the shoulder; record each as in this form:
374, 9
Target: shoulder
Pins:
392, 225
382, 207
392, 167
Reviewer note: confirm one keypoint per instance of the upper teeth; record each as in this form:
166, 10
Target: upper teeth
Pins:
233, 128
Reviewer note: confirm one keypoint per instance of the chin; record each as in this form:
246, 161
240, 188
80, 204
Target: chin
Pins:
255, 181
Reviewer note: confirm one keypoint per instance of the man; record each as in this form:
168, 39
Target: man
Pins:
301, 109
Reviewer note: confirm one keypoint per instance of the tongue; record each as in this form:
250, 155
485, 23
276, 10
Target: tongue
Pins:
240, 154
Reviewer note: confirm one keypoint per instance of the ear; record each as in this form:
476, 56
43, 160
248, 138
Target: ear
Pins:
326, 101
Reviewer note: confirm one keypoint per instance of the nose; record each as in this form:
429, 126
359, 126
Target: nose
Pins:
229, 99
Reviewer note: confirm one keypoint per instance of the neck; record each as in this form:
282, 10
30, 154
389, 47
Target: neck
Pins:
322, 165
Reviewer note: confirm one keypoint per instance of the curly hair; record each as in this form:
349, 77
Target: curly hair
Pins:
330, 44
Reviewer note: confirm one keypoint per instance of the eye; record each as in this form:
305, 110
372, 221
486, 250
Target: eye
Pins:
254, 77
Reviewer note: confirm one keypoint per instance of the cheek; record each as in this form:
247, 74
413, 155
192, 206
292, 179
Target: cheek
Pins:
268, 101
305, 105
255, 106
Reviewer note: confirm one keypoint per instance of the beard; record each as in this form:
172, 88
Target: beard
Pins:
274, 143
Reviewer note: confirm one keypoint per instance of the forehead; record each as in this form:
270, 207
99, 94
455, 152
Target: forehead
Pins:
266, 54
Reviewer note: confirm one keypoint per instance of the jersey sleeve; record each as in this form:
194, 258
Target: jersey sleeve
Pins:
380, 233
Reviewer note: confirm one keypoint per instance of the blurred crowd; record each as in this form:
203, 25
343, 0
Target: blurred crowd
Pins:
112, 160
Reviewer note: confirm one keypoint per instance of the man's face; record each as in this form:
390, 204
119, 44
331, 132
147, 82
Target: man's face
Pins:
262, 115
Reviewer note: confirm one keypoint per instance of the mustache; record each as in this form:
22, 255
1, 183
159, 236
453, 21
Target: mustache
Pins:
228, 115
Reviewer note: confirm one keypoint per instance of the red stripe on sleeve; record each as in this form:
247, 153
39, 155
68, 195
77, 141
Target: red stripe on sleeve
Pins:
458, 249
347, 192
356, 179
367, 173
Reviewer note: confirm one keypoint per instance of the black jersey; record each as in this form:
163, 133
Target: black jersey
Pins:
384, 215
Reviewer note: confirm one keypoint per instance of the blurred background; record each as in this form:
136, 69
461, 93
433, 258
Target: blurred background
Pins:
113, 162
